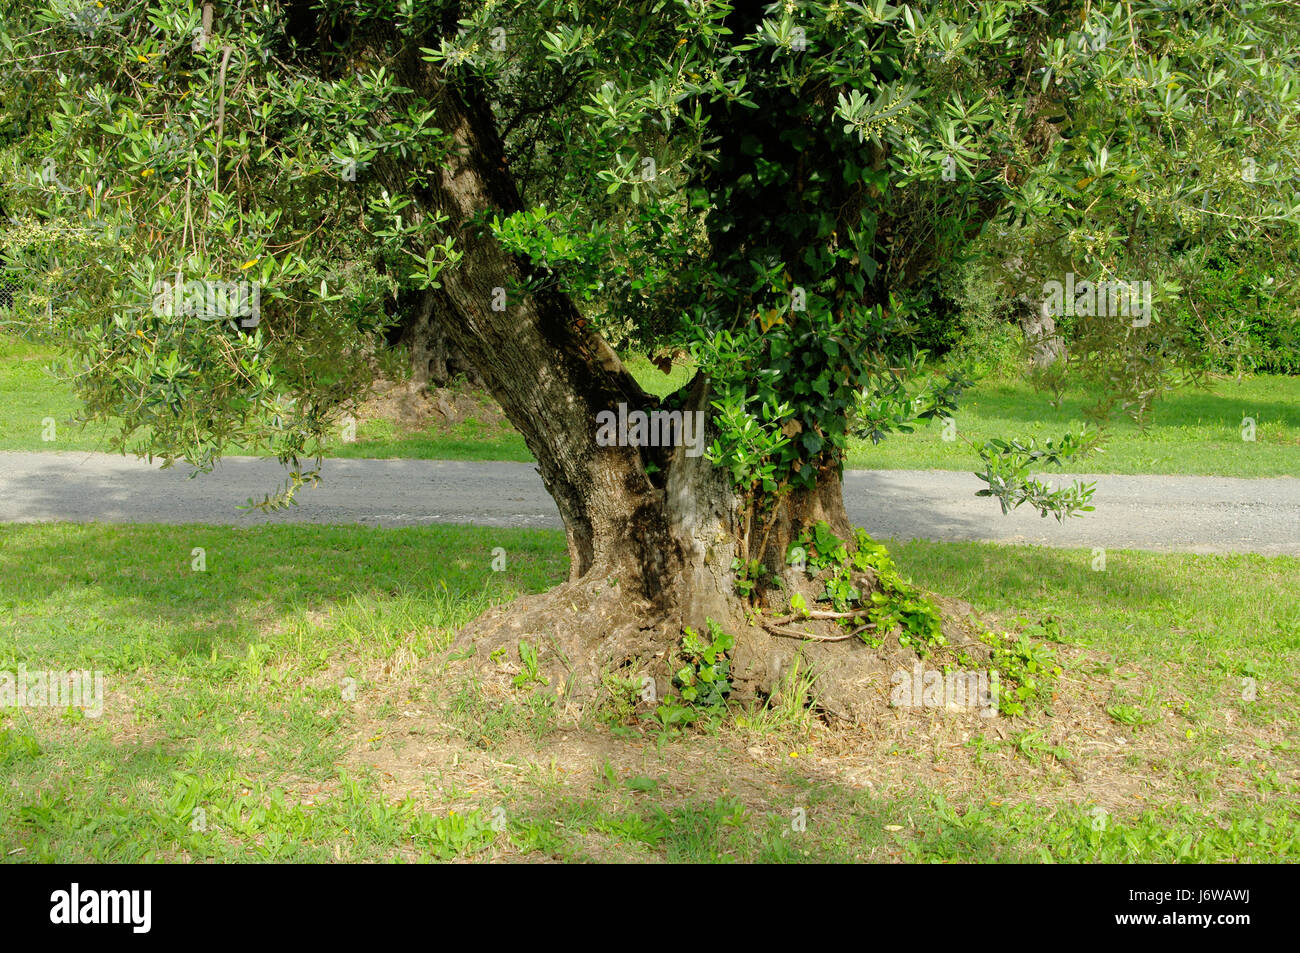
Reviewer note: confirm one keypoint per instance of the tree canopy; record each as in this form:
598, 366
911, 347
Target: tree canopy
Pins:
760, 188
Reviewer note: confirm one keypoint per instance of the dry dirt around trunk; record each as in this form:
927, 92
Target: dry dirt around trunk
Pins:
574, 637
415, 408
436, 733
589, 636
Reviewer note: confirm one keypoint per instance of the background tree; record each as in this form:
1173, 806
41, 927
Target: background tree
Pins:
763, 188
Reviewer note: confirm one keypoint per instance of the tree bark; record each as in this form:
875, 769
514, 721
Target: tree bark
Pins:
1046, 345
435, 360
550, 374
649, 554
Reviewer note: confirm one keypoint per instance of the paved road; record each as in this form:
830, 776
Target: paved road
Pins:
1196, 514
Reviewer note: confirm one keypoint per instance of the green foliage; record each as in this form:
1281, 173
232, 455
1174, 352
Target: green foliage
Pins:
766, 187
750, 574
894, 606
455, 835
703, 679
16, 746
530, 673
784, 396
889, 405
1127, 714
912, 614
1027, 670
991, 350
966, 317
1245, 313
1008, 469
122, 191
897, 604
824, 549
1031, 745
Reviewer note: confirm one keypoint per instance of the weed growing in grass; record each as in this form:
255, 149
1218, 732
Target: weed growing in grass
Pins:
1031, 744
789, 709
625, 692
16, 746
1027, 671
1129, 715
530, 675
702, 679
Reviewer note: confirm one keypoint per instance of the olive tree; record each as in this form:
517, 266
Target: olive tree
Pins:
214, 206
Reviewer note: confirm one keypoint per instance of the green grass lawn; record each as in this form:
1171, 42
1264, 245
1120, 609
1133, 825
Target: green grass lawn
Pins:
284, 704
1191, 432
469, 440
31, 399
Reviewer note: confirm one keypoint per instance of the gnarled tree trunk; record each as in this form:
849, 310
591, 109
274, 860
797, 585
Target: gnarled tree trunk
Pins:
651, 549
435, 359
1039, 327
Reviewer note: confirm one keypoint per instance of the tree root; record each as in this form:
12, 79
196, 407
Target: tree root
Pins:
590, 631
807, 636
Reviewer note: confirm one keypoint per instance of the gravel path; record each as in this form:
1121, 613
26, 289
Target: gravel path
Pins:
1194, 514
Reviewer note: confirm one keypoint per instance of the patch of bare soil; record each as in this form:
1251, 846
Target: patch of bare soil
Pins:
415, 407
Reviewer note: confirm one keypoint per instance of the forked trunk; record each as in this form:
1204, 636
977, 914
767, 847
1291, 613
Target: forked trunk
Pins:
651, 548
668, 567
